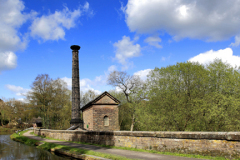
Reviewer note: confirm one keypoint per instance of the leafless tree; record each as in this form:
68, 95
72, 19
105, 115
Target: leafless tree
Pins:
131, 86
87, 97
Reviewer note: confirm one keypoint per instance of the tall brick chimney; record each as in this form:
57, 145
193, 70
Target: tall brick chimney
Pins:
76, 120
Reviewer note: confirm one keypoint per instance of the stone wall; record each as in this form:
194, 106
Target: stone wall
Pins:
88, 118
95, 111
99, 111
205, 143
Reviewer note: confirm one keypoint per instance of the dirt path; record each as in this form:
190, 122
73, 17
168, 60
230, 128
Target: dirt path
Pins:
125, 153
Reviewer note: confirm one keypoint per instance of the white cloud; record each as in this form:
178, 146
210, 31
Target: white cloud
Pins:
126, 49
153, 41
112, 68
226, 55
166, 58
85, 84
117, 89
11, 18
209, 20
23, 100
143, 73
237, 41
19, 91
8, 60
86, 6
68, 81
52, 27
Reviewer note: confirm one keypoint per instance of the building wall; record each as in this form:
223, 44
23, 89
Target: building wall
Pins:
99, 112
88, 118
95, 114
205, 143
105, 100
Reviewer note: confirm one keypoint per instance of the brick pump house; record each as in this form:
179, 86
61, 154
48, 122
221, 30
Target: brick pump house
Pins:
101, 114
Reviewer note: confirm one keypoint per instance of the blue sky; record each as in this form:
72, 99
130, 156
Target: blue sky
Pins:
133, 36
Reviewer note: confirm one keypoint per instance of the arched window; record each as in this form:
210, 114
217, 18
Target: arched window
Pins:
106, 121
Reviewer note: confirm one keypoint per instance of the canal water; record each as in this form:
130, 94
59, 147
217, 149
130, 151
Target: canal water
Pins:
11, 150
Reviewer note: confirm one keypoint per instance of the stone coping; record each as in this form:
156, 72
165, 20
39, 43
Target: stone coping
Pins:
230, 136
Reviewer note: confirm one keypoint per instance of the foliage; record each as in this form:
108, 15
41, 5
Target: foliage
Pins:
51, 99
192, 97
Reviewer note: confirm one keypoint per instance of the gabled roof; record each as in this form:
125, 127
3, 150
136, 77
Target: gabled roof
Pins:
100, 97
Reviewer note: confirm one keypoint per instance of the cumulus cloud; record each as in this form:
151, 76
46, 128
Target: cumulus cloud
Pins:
153, 41
85, 84
12, 18
209, 20
142, 73
112, 68
46, 27
125, 49
226, 55
19, 91
8, 60
51, 27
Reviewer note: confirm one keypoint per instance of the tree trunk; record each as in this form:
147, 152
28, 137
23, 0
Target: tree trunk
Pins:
133, 122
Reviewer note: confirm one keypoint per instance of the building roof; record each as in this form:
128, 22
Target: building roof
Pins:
100, 97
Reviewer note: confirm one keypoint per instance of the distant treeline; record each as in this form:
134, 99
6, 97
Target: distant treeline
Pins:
182, 97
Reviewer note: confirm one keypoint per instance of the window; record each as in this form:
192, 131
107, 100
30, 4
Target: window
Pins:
106, 121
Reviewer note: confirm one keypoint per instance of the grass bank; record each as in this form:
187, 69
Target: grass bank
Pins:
66, 150
148, 151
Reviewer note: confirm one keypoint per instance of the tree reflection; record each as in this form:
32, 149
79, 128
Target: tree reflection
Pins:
14, 150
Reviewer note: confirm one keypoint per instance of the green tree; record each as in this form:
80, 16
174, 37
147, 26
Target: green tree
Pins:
189, 96
50, 98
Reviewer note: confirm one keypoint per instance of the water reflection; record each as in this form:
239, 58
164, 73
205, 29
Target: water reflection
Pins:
11, 150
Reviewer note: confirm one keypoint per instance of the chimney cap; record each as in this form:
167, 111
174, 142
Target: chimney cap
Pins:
75, 47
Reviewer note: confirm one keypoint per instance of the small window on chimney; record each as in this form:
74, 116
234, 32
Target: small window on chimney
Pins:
106, 121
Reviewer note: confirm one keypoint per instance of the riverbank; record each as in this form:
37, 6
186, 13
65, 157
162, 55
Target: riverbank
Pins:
26, 138
4, 130
10, 150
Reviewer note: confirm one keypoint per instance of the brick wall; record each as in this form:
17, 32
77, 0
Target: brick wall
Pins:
205, 143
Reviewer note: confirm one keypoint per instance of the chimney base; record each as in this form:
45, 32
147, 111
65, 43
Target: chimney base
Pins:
76, 122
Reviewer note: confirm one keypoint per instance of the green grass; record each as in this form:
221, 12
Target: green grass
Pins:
49, 146
22, 139
148, 151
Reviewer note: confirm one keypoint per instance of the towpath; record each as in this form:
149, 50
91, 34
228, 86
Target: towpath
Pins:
119, 152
